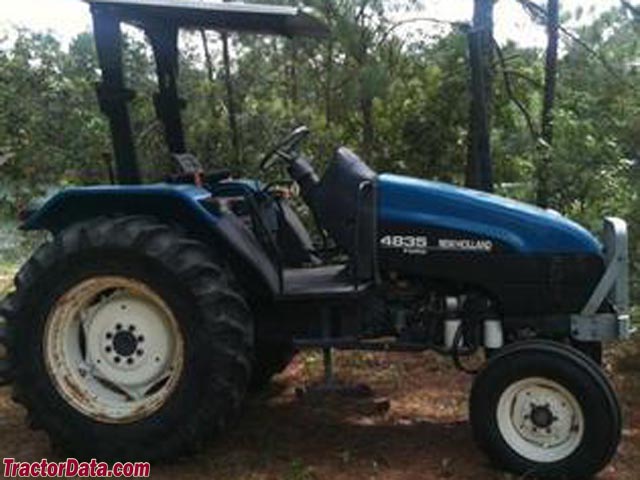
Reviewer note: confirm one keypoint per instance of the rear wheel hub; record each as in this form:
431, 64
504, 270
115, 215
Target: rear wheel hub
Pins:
125, 344
113, 349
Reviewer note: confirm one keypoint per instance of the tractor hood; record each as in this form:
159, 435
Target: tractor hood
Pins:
409, 204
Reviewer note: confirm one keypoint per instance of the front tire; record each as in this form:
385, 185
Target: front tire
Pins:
545, 409
128, 341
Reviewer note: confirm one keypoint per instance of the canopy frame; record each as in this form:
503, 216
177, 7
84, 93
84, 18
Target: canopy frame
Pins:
161, 21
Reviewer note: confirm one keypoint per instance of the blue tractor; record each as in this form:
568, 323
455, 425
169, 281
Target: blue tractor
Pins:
137, 329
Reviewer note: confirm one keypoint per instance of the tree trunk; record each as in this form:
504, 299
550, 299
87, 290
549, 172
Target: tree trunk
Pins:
207, 57
328, 87
483, 21
366, 95
635, 11
294, 76
231, 107
328, 66
551, 73
368, 129
479, 171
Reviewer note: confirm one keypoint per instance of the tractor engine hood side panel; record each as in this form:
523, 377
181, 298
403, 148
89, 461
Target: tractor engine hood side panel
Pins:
533, 260
517, 227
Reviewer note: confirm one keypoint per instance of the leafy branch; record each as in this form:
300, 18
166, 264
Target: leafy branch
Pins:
540, 14
506, 75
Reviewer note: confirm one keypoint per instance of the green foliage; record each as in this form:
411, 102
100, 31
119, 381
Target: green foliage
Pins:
49, 123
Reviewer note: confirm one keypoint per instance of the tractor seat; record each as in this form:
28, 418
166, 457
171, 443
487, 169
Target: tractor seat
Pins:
335, 199
325, 283
330, 282
345, 205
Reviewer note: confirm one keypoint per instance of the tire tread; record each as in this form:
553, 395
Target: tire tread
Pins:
210, 285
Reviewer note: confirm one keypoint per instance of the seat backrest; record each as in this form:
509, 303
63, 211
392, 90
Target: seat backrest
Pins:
345, 206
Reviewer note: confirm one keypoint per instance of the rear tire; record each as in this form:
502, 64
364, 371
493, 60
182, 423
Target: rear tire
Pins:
545, 409
181, 297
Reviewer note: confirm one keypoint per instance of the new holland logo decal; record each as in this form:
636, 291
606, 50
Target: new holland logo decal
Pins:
466, 245
419, 244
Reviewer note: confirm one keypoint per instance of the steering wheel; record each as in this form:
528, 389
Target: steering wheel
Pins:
286, 150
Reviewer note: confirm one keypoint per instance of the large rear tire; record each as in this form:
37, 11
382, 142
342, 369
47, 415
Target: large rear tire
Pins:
547, 410
128, 341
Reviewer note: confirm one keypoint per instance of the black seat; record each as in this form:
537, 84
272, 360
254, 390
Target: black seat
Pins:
345, 206
344, 203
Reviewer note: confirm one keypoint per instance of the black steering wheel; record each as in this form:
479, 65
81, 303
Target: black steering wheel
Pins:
286, 150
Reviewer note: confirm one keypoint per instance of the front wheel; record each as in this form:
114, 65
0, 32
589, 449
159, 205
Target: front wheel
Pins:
544, 409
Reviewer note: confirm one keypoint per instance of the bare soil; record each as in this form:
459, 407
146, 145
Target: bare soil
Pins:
413, 427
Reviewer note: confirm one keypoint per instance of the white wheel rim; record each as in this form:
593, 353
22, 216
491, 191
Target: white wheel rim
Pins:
113, 349
540, 420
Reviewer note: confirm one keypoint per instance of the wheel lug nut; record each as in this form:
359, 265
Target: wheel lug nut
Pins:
117, 359
129, 361
132, 328
108, 349
140, 352
141, 338
118, 326
109, 335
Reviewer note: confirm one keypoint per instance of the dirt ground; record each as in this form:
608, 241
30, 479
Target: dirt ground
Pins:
413, 427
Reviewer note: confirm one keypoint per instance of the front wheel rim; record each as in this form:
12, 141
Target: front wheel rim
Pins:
540, 420
113, 349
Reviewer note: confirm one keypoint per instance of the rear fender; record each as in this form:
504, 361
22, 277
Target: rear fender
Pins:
177, 204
